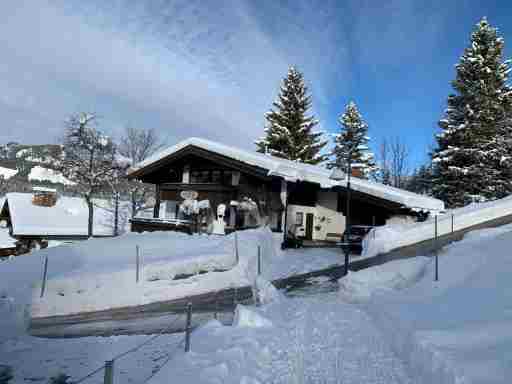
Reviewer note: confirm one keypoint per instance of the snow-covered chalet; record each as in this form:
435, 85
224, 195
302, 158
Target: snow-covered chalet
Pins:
241, 189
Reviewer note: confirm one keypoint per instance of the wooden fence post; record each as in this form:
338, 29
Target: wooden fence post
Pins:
137, 273
237, 256
45, 275
259, 260
216, 313
109, 372
188, 327
437, 251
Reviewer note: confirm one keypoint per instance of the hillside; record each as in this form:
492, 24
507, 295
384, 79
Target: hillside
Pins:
25, 165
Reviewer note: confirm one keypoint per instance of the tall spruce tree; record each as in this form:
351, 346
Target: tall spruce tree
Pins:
353, 138
289, 131
472, 161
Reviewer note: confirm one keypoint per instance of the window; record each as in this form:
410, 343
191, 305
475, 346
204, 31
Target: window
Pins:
227, 178
299, 218
216, 177
206, 176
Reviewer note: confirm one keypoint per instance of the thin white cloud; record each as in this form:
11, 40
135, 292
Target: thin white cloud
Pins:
187, 67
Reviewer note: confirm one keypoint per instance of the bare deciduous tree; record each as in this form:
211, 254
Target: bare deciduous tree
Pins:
89, 159
393, 164
3, 185
383, 173
138, 144
399, 162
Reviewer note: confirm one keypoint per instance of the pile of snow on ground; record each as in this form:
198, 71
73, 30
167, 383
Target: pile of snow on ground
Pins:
394, 275
386, 238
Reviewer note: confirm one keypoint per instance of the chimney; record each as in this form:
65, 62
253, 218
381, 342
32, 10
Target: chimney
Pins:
357, 171
44, 197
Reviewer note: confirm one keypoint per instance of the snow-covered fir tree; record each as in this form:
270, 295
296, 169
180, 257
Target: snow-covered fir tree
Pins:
352, 140
89, 160
289, 130
472, 161
420, 181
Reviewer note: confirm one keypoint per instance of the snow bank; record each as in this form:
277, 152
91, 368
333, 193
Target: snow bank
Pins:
456, 330
386, 238
394, 275
245, 317
265, 291
174, 265
39, 173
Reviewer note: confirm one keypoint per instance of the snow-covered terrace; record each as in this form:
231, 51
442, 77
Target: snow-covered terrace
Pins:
294, 171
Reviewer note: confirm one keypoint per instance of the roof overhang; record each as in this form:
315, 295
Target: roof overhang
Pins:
191, 149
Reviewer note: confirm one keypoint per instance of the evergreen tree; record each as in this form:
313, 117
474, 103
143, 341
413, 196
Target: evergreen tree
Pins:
289, 132
472, 160
353, 139
420, 181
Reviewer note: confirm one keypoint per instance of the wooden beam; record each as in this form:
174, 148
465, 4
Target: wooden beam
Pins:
196, 187
192, 150
156, 209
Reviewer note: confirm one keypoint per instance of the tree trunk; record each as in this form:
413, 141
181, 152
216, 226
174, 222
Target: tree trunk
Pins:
116, 215
134, 204
91, 217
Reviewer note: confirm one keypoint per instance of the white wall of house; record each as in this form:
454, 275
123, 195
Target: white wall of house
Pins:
327, 216
326, 219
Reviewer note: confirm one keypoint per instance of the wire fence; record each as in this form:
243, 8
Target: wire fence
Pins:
222, 301
108, 367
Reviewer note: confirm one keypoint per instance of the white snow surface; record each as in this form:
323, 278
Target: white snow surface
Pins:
174, 265
7, 173
246, 317
6, 241
68, 217
455, 330
386, 238
296, 171
394, 275
39, 173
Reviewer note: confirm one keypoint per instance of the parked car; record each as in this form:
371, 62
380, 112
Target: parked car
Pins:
356, 236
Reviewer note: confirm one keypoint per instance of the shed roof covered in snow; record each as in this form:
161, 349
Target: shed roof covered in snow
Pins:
68, 218
288, 170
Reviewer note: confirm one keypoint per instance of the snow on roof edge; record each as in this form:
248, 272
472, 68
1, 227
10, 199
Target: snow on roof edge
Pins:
295, 171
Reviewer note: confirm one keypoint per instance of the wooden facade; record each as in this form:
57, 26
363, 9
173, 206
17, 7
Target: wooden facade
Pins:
215, 178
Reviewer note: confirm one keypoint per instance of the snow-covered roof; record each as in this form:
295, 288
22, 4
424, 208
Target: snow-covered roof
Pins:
296, 171
39, 173
6, 241
7, 173
68, 217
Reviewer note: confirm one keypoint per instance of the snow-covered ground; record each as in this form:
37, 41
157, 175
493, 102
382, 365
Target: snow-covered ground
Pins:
456, 330
102, 272
389, 324
389, 237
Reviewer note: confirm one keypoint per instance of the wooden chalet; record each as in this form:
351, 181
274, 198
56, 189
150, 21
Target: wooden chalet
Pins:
288, 196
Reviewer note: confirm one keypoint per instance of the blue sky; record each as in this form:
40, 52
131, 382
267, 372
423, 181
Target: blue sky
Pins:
212, 68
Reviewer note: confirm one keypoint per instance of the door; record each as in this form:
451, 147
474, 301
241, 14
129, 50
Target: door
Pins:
309, 226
